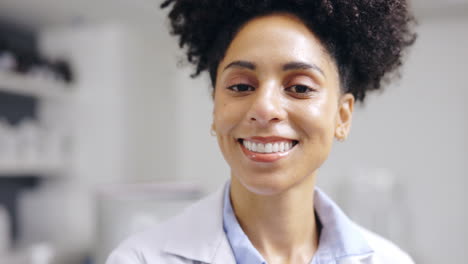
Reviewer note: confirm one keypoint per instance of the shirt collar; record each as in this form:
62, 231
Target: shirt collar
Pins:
339, 237
243, 250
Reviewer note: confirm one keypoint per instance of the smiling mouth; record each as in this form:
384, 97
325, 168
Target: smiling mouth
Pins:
280, 146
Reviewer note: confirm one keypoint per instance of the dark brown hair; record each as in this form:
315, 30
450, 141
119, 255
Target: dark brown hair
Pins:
367, 38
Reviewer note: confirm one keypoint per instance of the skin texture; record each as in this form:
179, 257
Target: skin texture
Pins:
273, 201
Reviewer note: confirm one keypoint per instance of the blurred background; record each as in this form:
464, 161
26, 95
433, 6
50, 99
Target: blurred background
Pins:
103, 133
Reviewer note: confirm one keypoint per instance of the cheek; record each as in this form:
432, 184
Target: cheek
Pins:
316, 120
226, 116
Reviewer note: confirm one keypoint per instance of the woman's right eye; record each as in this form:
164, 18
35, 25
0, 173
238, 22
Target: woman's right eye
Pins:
241, 88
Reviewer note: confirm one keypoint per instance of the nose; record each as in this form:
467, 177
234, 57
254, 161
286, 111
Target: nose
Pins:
266, 106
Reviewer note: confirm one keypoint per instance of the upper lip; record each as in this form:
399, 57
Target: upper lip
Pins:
269, 139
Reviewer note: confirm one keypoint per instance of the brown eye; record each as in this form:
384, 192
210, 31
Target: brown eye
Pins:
241, 88
299, 89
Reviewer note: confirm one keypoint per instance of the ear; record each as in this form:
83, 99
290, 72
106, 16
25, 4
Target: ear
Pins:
213, 130
344, 116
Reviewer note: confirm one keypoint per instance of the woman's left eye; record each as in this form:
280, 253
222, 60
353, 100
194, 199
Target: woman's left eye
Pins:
299, 89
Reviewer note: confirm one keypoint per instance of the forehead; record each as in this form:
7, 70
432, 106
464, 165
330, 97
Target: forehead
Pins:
277, 38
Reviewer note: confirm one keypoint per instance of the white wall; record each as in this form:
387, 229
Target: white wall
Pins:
200, 158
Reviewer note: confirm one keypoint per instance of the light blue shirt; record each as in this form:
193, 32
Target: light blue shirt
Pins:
339, 237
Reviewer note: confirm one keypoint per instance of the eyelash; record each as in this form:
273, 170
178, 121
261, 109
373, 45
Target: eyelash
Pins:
233, 88
307, 88
250, 88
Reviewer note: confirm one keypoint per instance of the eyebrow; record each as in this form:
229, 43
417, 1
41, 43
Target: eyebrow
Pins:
241, 64
295, 65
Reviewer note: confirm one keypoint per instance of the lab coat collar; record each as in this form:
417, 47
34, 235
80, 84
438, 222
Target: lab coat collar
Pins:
203, 238
341, 239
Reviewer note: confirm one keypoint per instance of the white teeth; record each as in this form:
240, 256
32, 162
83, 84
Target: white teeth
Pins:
269, 147
275, 147
260, 147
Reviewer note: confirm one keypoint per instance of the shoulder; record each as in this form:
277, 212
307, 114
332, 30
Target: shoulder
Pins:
385, 251
158, 244
143, 247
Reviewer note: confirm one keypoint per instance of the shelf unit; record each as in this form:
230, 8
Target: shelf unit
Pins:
52, 96
13, 170
33, 86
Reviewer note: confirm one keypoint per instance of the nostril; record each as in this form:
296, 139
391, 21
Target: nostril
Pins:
273, 119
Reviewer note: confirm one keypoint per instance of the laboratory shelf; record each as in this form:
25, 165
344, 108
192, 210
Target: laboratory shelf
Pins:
28, 170
33, 86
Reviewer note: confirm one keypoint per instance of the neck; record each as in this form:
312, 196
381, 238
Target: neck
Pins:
282, 227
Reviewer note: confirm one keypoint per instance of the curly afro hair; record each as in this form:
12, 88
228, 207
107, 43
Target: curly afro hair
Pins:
365, 37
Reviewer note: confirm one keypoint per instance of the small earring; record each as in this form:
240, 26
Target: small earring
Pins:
341, 139
212, 132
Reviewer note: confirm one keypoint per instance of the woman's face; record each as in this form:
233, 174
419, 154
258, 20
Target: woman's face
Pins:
277, 104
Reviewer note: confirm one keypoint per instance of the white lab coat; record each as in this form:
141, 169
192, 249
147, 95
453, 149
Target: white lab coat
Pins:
197, 236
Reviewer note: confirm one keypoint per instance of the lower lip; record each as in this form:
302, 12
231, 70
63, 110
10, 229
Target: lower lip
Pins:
265, 157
